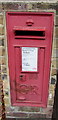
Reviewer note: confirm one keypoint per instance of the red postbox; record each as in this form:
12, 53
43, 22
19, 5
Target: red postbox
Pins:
29, 38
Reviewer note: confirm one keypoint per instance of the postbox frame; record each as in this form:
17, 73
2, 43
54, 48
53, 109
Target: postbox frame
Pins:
46, 82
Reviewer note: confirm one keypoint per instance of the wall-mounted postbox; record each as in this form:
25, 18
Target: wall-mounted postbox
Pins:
29, 55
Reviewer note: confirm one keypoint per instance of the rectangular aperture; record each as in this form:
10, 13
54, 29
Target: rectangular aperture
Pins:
30, 34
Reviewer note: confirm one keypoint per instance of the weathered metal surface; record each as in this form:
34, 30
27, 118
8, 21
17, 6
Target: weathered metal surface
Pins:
29, 82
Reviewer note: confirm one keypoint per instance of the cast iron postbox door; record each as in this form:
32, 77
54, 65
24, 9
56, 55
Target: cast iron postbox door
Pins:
29, 55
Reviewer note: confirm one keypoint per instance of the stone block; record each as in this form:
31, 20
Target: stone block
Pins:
51, 102
4, 69
37, 115
53, 79
6, 100
1, 42
29, 109
7, 118
55, 53
0, 7
56, 19
3, 59
0, 60
2, 51
55, 44
11, 109
29, 6
1, 30
54, 72
56, 30
35, 109
18, 114
1, 112
5, 85
51, 89
4, 77
10, 6
0, 76
6, 93
54, 65
1, 19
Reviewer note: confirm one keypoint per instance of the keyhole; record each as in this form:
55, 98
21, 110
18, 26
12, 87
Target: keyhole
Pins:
21, 77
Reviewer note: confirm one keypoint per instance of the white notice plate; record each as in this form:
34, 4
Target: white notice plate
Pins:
29, 59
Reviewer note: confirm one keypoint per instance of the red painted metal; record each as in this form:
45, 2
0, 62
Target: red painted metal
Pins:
27, 29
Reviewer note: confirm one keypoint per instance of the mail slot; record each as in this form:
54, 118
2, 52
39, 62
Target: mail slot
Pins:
29, 33
29, 40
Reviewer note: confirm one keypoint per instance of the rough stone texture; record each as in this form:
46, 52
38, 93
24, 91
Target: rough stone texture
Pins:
1, 19
30, 0
28, 119
56, 32
29, 6
1, 30
1, 42
54, 64
55, 53
3, 59
57, 20
26, 112
2, 53
56, 43
54, 72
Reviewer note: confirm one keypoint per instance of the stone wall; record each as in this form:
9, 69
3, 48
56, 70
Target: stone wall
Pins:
25, 112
